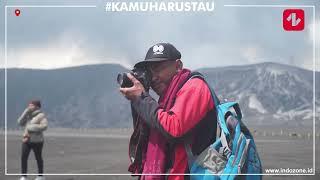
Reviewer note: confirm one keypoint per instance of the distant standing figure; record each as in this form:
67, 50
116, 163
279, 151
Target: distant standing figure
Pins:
34, 122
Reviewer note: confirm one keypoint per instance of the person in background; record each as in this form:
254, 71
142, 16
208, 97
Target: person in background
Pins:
34, 122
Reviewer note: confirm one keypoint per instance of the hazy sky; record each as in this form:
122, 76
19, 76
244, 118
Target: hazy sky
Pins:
43, 37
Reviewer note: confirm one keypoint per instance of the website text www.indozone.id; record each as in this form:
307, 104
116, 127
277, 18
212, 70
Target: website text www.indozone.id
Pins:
289, 171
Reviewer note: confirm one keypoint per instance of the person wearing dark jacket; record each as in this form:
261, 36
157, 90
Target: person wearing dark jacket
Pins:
184, 114
34, 122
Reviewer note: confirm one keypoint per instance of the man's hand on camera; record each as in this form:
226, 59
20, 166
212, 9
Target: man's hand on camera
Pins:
135, 91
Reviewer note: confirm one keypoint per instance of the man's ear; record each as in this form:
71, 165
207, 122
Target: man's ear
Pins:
179, 64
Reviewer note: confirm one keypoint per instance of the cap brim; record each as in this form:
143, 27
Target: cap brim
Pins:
147, 61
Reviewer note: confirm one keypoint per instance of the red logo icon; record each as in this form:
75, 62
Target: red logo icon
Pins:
17, 12
293, 19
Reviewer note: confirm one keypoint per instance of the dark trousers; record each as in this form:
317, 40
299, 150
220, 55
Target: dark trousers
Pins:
37, 149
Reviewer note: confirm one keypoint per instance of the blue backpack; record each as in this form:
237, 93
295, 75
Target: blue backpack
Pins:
233, 155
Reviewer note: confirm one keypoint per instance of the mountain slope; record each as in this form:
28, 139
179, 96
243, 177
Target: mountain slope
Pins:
270, 94
85, 96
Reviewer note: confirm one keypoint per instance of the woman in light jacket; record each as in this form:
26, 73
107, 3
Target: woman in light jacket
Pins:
34, 122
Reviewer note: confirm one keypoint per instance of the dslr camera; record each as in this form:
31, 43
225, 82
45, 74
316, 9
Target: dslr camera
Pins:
142, 74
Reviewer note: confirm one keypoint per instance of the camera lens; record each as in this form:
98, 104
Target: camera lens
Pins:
120, 79
124, 81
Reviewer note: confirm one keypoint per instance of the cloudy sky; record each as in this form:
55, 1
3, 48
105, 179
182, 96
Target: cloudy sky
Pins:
46, 38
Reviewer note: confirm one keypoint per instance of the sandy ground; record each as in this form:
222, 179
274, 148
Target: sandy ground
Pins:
105, 152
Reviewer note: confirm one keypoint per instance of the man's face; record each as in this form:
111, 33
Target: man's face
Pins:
32, 107
162, 73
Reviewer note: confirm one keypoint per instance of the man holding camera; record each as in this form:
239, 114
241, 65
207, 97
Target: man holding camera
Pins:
183, 116
35, 122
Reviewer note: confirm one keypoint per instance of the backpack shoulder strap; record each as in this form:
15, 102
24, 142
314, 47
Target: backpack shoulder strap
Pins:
195, 74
